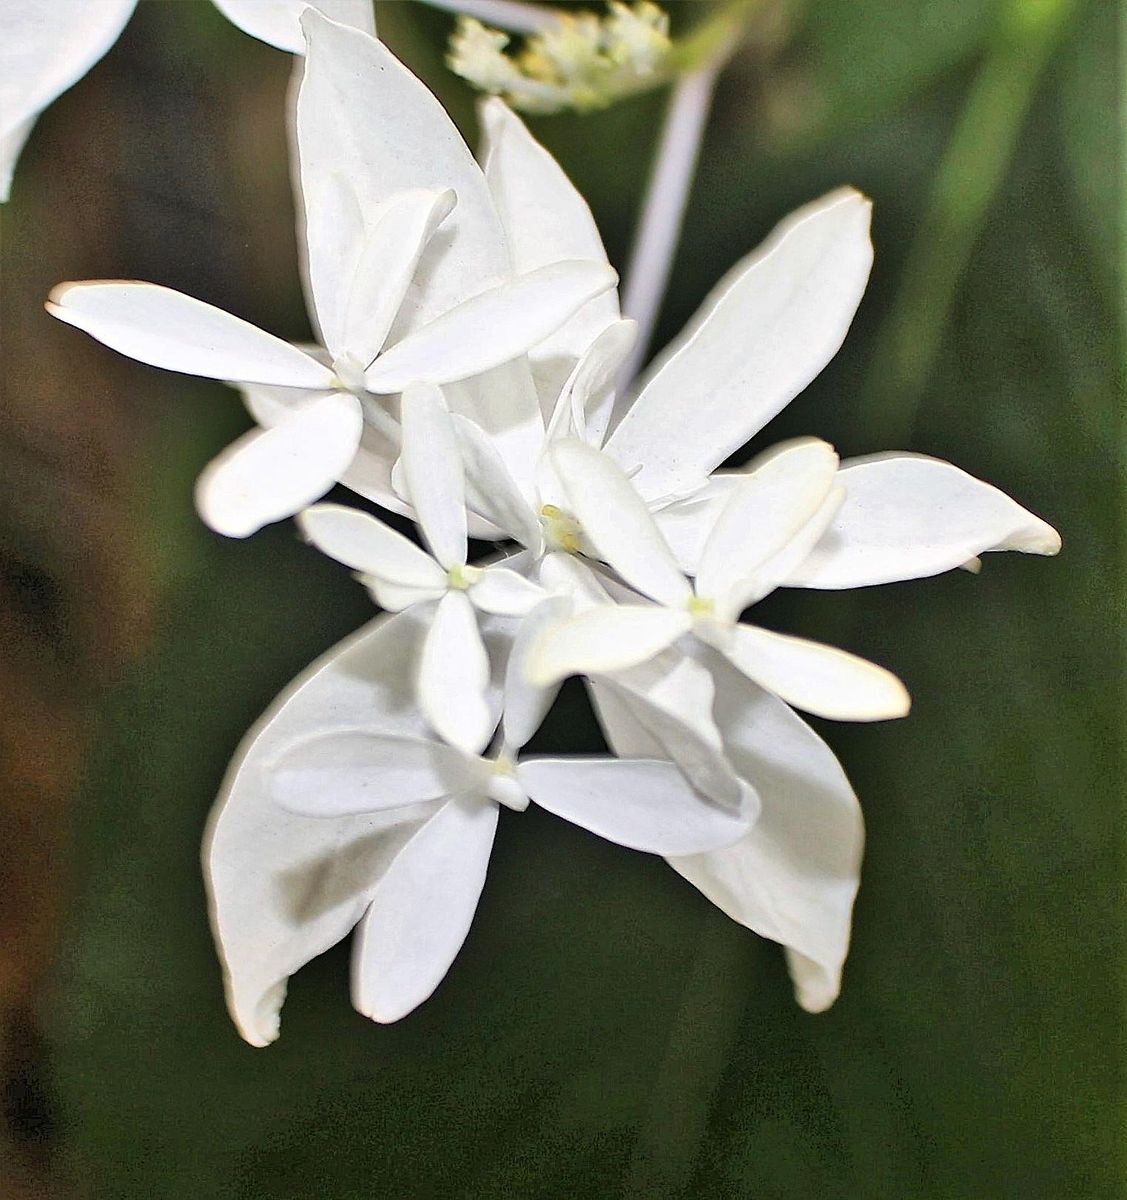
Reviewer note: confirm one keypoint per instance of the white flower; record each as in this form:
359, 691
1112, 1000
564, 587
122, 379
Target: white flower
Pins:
46, 46
392, 307
610, 498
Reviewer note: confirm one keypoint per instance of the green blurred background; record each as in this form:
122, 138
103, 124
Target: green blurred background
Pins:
605, 1031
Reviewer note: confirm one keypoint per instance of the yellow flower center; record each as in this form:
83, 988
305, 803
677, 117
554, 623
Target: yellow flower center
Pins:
561, 530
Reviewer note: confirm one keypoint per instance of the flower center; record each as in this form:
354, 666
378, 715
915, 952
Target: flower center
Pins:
349, 372
461, 577
701, 606
561, 530
504, 787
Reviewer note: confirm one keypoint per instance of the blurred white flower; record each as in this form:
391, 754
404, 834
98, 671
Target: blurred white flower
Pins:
46, 46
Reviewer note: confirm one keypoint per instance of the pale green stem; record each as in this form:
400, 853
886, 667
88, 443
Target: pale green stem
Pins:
972, 168
502, 14
664, 209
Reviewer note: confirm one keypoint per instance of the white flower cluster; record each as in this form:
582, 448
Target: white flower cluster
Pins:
579, 61
467, 377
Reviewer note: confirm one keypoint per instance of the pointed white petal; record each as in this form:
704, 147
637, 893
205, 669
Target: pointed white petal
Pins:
284, 888
794, 876
763, 512
432, 472
350, 771
616, 521
11, 143
671, 697
365, 543
525, 703
642, 803
583, 406
422, 909
331, 227
821, 679
491, 489
360, 112
607, 638
44, 49
568, 575
505, 593
167, 329
763, 334
454, 676
278, 22
398, 234
490, 328
545, 219
907, 516
269, 474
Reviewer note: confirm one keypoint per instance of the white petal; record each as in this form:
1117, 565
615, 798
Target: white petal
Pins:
794, 876
269, 474
525, 703
764, 333
421, 910
642, 803
821, 679
360, 112
432, 471
607, 638
454, 676
616, 521
350, 771
398, 234
907, 516
583, 407
278, 22
284, 888
11, 143
168, 329
671, 697
505, 593
568, 575
763, 512
269, 403
44, 49
365, 543
686, 522
395, 597
491, 489
545, 220
490, 328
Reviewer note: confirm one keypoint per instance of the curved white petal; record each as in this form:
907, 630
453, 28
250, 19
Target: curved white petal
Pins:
616, 521
505, 593
278, 22
167, 329
671, 697
490, 328
602, 639
270, 403
821, 679
525, 703
766, 330
351, 771
398, 234
269, 474
365, 543
284, 888
454, 676
11, 143
794, 875
583, 406
545, 220
422, 909
490, 488
360, 112
645, 804
44, 49
763, 512
433, 473
907, 516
